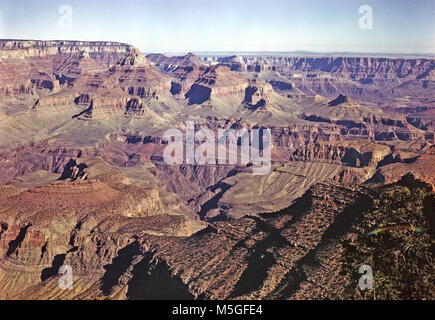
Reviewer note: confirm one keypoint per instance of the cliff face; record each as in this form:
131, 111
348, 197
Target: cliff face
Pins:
107, 257
29, 65
88, 197
39, 156
359, 67
20, 49
136, 77
421, 166
350, 153
217, 82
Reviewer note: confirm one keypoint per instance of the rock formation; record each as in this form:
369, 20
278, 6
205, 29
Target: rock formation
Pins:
83, 181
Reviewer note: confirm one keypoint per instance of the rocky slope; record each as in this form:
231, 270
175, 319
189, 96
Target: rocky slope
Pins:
296, 253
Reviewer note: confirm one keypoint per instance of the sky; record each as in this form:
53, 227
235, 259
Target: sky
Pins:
179, 26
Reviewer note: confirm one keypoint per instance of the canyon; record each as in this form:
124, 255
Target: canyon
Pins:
83, 181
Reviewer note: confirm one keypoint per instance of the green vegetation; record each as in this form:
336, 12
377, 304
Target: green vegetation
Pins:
402, 260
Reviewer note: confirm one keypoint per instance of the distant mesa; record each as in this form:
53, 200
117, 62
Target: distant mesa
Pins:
235, 63
170, 64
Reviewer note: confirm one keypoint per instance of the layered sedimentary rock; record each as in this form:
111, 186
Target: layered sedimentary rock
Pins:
361, 120
351, 153
216, 82
104, 107
168, 64
84, 182
18, 49
235, 63
136, 77
358, 67
29, 65
420, 165
274, 256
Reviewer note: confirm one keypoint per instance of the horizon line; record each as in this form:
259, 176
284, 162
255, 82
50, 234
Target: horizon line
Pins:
248, 52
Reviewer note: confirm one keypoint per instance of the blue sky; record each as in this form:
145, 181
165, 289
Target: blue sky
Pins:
399, 26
